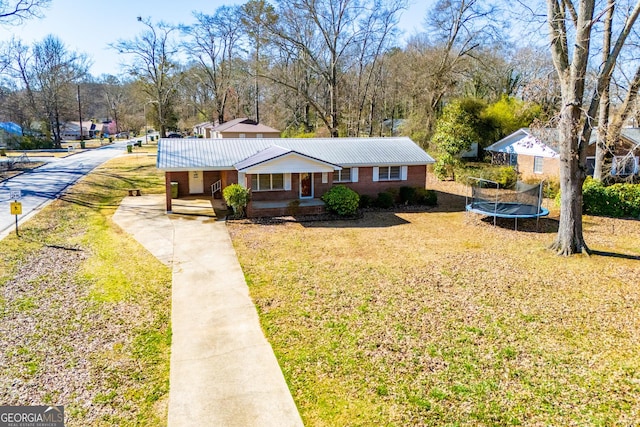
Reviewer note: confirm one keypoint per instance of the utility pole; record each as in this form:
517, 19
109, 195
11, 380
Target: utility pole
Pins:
80, 115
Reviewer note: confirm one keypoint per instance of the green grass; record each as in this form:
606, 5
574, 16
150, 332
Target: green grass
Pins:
116, 330
429, 319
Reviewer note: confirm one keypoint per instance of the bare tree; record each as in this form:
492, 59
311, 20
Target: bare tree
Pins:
212, 43
16, 11
255, 16
47, 74
155, 64
325, 35
55, 71
575, 122
611, 120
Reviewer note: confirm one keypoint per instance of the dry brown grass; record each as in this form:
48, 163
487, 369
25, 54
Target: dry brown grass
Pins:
436, 318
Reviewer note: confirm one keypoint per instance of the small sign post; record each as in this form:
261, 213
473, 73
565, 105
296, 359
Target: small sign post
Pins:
16, 206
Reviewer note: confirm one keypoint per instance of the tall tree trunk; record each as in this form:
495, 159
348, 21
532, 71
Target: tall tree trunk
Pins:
572, 132
570, 239
603, 118
333, 99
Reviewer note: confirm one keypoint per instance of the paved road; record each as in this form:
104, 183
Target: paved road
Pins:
44, 184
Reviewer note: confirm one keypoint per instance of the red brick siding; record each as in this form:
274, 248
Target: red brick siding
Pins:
416, 177
619, 149
182, 178
209, 177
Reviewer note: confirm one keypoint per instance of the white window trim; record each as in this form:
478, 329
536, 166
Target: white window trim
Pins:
354, 174
388, 168
614, 165
541, 159
342, 179
284, 182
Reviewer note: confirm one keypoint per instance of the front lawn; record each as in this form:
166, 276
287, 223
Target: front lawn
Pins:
433, 318
85, 309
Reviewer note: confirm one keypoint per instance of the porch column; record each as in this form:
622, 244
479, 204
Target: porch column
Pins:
223, 179
167, 190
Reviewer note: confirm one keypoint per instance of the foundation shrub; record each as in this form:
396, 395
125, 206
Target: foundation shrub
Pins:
366, 201
385, 200
342, 200
407, 195
426, 197
237, 197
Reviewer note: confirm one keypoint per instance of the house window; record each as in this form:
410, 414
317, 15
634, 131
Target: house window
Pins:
242, 135
267, 182
538, 163
624, 165
591, 165
513, 159
389, 173
258, 135
343, 175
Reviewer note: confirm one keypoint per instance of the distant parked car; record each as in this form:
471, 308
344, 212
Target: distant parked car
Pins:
174, 135
122, 135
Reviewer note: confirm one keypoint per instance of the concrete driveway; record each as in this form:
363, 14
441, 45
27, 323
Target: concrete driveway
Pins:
223, 370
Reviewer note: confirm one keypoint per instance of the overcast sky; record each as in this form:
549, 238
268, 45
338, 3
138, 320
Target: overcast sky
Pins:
89, 26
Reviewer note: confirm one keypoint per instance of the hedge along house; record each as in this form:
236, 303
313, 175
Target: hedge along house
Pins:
535, 153
281, 171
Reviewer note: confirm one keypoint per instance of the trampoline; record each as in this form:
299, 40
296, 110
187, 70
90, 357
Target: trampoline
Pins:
521, 201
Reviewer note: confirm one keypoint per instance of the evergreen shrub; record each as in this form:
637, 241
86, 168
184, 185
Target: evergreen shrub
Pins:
385, 200
342, 200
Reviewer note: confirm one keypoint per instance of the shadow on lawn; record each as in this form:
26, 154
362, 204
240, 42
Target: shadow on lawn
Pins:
449, 202
368, 220
371, 219
528, 225
615, 255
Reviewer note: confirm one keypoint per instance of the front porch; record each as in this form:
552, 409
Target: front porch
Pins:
199, 205
271, 208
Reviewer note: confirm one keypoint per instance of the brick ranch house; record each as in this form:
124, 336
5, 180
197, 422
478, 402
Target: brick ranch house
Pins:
279, 171
535, 154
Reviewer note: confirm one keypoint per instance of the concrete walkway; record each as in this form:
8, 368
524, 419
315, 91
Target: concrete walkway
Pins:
223, 370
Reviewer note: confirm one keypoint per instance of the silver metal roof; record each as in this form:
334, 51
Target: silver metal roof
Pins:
219, 154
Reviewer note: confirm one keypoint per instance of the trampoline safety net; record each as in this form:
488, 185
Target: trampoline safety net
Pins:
521, 201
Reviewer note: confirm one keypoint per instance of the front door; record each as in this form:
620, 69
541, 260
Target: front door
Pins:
306, 185
196, 182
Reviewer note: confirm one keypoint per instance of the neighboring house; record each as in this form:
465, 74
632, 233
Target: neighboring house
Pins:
532, 156
243, 128
535, 154
9, 131
205, 129
625, 159
280, 171
71, 130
